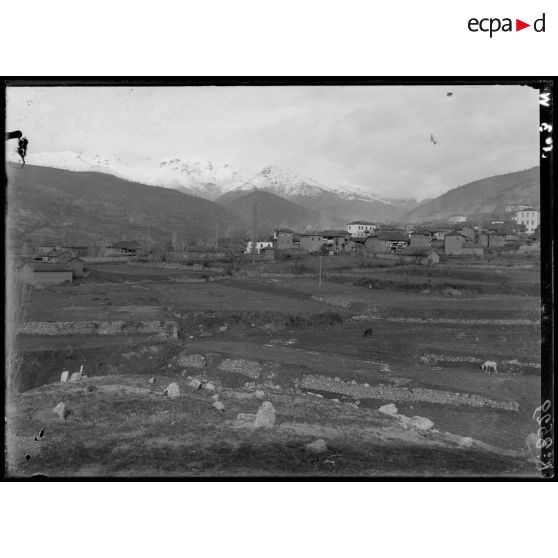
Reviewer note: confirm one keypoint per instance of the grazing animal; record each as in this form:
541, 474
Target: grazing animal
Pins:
489, 366
367, 333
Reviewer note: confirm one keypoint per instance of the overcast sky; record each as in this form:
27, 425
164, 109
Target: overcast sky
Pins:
377, 137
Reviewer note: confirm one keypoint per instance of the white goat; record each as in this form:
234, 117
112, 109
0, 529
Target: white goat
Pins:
489, 366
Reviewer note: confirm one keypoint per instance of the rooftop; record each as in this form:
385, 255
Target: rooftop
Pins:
361, 223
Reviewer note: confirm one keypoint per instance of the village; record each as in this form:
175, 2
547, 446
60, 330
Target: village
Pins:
516, 234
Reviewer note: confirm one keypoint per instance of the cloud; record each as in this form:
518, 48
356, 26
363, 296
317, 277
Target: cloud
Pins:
376, 136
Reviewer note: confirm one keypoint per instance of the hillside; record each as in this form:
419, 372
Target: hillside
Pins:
488, 196
49, 204
272, 211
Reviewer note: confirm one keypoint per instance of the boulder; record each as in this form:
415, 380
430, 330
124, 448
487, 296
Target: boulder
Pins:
260, 394
265, 417
218, 405
418, 423
60, 410
192, 361
75, 377
465, 441
390, 409
224, 328
249, 368
337, 379
215, 397
172, 391
195, 384
317, 447
64, 376
152, 380
209, 386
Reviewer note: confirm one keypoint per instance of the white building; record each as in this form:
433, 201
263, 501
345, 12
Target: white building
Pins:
361, 228
457, 219
259, 246
531, 218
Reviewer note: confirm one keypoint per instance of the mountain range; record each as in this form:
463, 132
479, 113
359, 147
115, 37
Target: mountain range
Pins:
336, 203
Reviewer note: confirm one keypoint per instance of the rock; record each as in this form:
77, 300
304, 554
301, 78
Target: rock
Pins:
215, 397
390, 409
337, 379
353, 383
192, 361
249, 385
218, 405
172, 391
60, 410
317, 447
75, 377
224, 328
465, 441
195, 384
152, 380
64, 376
424, 359
418, 423
252, 325
336, 401
260, 394
265, 417
249, 368
191, 337
209, 386
366, 385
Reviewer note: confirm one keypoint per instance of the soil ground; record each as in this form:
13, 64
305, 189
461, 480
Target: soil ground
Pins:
425, 337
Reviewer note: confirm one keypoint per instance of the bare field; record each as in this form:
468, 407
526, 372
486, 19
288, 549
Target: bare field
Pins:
423, 341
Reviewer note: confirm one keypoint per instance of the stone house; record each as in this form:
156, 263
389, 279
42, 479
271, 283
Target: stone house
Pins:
453, 243
283, 239
35, 273
311, 241
387, 241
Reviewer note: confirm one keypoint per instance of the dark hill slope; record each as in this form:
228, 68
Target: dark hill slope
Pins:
488, 196
87, 206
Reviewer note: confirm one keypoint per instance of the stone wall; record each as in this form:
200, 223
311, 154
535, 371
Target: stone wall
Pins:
165, 328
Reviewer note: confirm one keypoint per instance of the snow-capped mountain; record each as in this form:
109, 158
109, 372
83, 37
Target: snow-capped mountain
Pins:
211, 181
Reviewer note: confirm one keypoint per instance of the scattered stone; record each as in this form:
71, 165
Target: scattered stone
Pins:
390, 409
252, 325
172, 391
260, 394
64, 376
249, 368
224, 328
60, 410
354, 383
152, 380
206, 334
357, 402
209, 386
337, 379
249, 385
218, 405
419, 423
191, 337
192, 361
336, 401
75, 377
424, 359
195, 384
215, 397
265, 417
366, 385
317, 447
465, 441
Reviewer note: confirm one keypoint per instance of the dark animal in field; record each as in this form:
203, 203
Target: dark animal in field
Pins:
367, 333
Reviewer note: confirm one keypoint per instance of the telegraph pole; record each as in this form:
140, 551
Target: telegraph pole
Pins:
320, 275
148, 241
